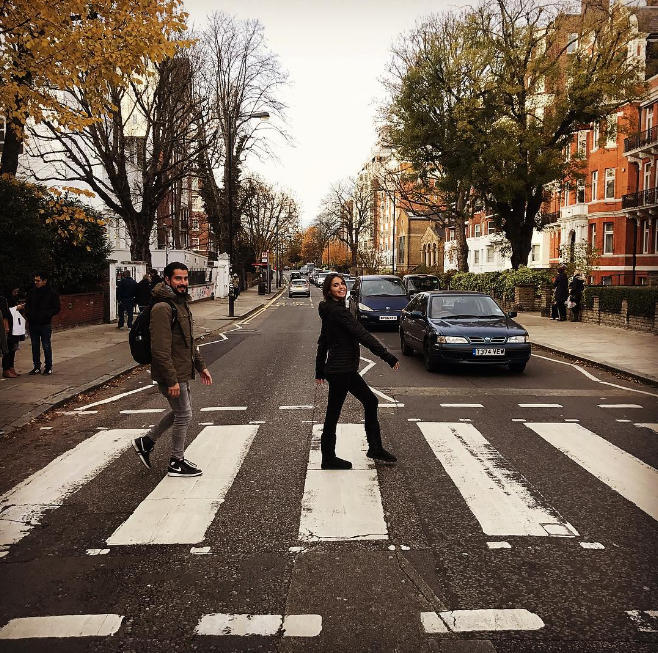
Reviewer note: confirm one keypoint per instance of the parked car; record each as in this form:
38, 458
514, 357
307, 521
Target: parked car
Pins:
414, 283
295, 275
321, 276
450, 326
299, 287
349, 282
377, 299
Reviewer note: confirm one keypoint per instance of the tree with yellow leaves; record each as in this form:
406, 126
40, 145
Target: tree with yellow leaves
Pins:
49, 47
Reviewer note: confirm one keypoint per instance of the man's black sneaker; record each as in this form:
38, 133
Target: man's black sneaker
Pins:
183, 468
381, 454
143, 446
48, 370
36, 370
336, 463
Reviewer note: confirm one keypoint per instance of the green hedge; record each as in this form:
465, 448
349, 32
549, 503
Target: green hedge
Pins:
641, 301
500, 284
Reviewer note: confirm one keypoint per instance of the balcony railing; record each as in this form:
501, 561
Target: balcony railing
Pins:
641, 139
640, 199
549, 218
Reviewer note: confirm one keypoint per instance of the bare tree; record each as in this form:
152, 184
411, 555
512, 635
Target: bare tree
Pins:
141, 150
241, 78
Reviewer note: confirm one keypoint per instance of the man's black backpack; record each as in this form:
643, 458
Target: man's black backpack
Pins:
140, 333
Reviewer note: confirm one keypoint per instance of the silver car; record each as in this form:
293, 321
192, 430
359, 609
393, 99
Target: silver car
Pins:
299, 287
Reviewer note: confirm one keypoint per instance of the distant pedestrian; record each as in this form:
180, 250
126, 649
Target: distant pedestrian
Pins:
155, 279
41, 306
143, 292
236, 285
14, 328
337, 361
126, 296
175, 358
576, 288
561, 286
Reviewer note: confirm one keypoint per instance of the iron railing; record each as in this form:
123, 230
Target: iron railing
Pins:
639, 199
641, 139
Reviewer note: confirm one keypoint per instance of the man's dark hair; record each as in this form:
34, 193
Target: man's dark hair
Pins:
42, 275
169, 270
326, 284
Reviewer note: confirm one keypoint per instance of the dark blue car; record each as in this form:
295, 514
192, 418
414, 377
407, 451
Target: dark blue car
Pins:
377, 300
462, 327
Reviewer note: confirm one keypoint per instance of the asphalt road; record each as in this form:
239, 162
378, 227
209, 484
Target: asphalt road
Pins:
504, 527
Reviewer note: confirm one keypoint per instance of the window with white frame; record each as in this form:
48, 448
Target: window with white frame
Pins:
608, 237
195, 241
195, 183
195, 224
595, 185
592, 231
649, 119
572, 44
3, 128
582, 144
477, 230
451, 233
596, 134
611, 140
580, 192
534, 254
197, 203
491, 227
490, 255
476, 257
565, 192
647, 176
609, 183
645, 236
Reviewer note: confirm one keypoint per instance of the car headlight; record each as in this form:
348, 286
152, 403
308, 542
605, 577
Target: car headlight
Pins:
525, 338
363, 307
451, 340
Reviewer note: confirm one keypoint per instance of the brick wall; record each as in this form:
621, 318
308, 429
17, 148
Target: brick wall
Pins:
620, 320
84, 308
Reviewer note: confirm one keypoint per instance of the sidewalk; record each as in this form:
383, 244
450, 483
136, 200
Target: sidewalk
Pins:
620, 350
88, 356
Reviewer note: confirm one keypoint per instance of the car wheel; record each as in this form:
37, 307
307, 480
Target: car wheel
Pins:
517, 368
430, 364
406, 349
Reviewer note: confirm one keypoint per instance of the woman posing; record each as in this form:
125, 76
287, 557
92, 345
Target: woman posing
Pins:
337, 361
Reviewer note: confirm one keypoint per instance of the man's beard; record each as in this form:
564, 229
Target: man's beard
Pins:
181, 290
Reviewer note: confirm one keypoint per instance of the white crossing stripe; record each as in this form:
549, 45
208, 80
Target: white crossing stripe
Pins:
213, 408
500, 498
461, 621
624, 473
653, 427
645, 620
179, 510
592, 545
342, 504
292, 625
22, 507
619, 406
139, 411
540, 405
462, 406
295, 407
66, 625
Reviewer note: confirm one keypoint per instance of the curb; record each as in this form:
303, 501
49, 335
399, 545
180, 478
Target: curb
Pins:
96, 383
604, 366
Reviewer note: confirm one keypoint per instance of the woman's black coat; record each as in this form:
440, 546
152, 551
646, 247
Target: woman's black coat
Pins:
338, 344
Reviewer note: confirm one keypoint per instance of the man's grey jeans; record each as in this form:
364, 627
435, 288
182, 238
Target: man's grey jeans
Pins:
180, 416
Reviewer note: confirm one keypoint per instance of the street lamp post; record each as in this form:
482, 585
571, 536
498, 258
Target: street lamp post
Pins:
264, 115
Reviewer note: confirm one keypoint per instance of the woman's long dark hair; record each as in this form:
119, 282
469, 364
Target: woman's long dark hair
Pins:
326, 285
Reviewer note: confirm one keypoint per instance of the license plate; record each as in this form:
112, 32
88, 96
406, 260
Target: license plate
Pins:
489, 351
388, 317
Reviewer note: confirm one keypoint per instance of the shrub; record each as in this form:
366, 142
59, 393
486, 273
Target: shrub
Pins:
501, 284
641, 301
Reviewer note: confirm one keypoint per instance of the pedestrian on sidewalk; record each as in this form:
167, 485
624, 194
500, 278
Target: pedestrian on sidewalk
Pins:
175, 358
143, 293
15, 331
236, 285
155, 279
126, 296
337, 361
576, 288
561, 286
41, 306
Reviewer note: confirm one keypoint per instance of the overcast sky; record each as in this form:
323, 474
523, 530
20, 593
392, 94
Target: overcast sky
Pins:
335, 52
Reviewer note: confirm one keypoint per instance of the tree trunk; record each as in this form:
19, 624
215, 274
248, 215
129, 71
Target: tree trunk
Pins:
354, 249
519, 226
12, 147
139, 229
462, 245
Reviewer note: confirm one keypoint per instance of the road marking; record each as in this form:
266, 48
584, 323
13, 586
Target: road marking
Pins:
368, 367
221, 335
500, 498
619, 406
140, 411
624, 421
414, 419
499, 545
66, 625
592, 545
46, 428
97, 552
342, 504
462, 406
645, 620
200, 550
292, 625
593, 378
209, 409
257, 421
78, 412
572, 420
653, 427
395, 405
206, 423
115, 397
518, 419
540, 405
461, 621
295, 407
624, 473
179, 510
383, 396
22, 507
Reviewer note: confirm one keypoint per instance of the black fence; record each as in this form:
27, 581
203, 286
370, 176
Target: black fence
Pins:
641, 139
639, 199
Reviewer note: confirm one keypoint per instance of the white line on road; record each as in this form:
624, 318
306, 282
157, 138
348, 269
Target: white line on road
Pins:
369, 366
395, 405
461, 621
337, 504
499, 545
626, 474
179, 510
624, 421
22, 507
383, 396
619, 406
501, 499
540, 405
115, 397
66, 625
97, 552
295, 407
139, 411
221, 335
292, 625
592, 545
645, 620
209, 409
79, 412
653, 427
462, 406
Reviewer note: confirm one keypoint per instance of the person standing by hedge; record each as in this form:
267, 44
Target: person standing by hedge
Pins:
561, 286
41, 306
577, 287
8, 301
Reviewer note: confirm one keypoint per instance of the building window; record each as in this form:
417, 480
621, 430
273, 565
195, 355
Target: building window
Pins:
3, 129
609, 183
451, 233
647, 176
655, 236
566, 194
195, 224
195, 242
595, 185
611, 141
582, 144
580, 192
195, 183
135, 150
197, 203
596, 134
490, 255
650, 117
592, 239
491, 227
645, 236
607, 237
477, 230
476, 257
572, 44
534, 254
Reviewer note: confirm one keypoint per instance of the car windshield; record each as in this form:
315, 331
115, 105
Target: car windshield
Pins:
349, 283
464, 306
423, 283
382, 287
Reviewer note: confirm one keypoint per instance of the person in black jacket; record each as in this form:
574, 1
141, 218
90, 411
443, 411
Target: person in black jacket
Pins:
126, 296
576, 286
143, 292
8, 301
41, 306
337, 361
561, 286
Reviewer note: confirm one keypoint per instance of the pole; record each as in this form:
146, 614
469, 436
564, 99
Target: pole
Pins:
393, 266
276, 255
231, 295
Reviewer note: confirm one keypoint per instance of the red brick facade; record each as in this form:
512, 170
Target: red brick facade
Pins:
83, 308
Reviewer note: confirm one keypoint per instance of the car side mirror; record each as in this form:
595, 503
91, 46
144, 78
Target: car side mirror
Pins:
511, 314
416, 314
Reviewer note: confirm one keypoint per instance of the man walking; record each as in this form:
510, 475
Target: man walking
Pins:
143, 292
175, 358
561, 286
41, 306
126, 296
